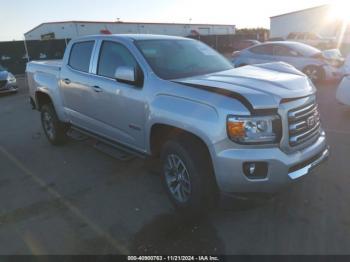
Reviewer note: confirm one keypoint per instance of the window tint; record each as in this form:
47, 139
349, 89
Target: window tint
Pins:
284, 51
113, 55
262, 50
80, 56
173, 59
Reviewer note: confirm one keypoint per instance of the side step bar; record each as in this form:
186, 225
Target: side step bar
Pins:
105, 145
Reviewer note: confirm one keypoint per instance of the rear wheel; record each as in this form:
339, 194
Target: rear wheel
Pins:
54, 129
316, 74
188, 175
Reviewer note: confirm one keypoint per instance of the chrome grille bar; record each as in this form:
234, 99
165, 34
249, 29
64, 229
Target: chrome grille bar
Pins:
304, 124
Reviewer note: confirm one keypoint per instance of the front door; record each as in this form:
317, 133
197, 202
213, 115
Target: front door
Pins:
117, 109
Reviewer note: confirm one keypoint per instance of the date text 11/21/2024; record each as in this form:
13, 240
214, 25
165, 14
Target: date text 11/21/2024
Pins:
173, 258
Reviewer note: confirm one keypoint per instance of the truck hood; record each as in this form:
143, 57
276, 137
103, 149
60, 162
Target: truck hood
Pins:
3, 75
264, 85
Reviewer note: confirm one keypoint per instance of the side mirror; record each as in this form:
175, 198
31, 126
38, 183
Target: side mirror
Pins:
126, 74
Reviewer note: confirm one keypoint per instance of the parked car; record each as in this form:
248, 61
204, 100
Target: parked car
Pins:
317, 65
274, 39
214, 128
343, 92
313, 39
243, 44
8, 83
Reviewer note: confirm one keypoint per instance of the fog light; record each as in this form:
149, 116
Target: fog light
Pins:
255, 170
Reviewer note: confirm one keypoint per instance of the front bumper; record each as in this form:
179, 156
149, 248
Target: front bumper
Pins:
283, 168
343, 91
9, 88
333, 73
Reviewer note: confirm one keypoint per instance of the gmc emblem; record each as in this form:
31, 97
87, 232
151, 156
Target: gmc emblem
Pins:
311, 121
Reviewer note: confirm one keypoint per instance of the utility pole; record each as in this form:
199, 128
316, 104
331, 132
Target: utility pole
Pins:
26, 49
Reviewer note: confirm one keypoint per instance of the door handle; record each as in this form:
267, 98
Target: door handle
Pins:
67, 81
97, 89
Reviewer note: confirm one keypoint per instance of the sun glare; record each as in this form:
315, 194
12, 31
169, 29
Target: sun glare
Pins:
340, 13
340, 10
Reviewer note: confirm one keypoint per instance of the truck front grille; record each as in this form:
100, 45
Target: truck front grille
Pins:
304, 124
3, 83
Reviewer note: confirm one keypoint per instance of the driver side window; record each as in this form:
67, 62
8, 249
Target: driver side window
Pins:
113, 55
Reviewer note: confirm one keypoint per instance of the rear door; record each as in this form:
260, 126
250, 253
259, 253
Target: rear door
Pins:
288, 55
76, 83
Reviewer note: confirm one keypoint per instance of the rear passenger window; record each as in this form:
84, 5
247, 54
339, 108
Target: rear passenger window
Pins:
80, 56
284, 51
113, 55
263, 50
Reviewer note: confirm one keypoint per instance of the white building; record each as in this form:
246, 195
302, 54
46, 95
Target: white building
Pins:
319, 20
72, 29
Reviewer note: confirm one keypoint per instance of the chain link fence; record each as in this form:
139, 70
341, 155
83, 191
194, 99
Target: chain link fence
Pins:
15, 55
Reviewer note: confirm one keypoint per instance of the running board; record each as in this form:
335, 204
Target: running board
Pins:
107, 146
76, 135
113, 152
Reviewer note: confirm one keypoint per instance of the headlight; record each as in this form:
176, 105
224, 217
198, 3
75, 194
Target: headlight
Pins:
254, 130
11, 78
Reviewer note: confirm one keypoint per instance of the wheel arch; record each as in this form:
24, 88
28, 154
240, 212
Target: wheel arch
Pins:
42, 98
320, 68
160, 133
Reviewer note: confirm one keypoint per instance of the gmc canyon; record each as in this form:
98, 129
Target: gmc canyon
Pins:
216, 129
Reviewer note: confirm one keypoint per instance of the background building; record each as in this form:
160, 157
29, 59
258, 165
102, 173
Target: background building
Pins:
72, 29
319, 20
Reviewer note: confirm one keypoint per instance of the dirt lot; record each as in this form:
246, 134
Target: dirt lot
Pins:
76, 200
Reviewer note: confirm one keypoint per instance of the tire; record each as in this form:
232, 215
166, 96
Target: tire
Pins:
54, 129
187, 175
316, 74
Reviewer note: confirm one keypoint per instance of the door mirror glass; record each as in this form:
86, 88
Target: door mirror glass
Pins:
126, 74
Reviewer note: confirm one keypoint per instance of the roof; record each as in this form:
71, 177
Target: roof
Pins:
133, 37
300, 47
300, 11
119, 22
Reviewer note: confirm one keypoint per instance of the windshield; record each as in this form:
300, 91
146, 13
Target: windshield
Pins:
2, 68
171, 59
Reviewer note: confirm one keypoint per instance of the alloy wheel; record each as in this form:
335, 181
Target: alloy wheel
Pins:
312, 73
48, 125
177, 178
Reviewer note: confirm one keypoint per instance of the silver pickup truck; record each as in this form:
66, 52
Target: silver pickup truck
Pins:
215, 129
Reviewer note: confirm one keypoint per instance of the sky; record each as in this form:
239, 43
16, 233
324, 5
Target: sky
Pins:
19, 16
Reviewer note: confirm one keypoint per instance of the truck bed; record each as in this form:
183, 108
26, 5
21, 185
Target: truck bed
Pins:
43, 74
46, 65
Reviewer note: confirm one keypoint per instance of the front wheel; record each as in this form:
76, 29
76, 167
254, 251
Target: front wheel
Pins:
316, 74
54, 129
188, 175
